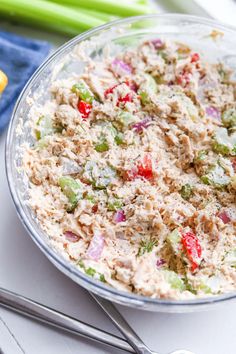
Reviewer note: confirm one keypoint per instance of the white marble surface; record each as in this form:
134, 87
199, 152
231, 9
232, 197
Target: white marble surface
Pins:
25, 270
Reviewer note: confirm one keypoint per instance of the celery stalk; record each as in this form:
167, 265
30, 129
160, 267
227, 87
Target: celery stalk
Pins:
118, 8
48, 15
97, 14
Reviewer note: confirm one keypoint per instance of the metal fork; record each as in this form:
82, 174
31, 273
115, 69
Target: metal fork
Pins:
59, 320
119, 321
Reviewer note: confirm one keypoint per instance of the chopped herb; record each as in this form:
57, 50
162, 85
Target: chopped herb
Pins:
146, 247
114, 205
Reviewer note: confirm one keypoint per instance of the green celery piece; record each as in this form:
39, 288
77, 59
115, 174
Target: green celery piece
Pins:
126, 118
114, 205
90, 271
102, 278
186, 191
90, 198
83, 91
119, 139
49, 15
174, 239
224, 143
102, 147
216, 177
201, 156
205, 288
97, 14
121, 8
149, 86
44, 127
229, 118
144, 97
70, 188
174, 280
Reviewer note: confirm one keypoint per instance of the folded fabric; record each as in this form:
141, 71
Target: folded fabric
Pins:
19, 58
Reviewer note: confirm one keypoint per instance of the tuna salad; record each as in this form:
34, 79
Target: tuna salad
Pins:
133, 171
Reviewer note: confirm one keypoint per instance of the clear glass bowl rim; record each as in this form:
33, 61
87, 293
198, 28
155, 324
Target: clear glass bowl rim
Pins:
122, 297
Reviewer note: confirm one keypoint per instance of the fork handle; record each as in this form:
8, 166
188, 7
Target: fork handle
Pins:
59, 320
119, 321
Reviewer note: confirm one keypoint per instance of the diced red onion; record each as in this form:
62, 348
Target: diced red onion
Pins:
71, 236
157, 43
223, 215
96, 246
120, 67
213, 112
160, 262
138, 127
119, 216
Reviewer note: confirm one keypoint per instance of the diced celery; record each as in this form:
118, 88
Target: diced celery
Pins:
205, 288
144, 97
174, 280
90, 198
102, 278
216, 177
126, 118
70, 188
149, 86
44, 127
224, 143
119, 139
186, 191
102, 147
201, 156
229, 118
82, 90
90, 271
115, 204
174, 239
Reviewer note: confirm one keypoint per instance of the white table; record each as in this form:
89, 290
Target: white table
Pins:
25, 270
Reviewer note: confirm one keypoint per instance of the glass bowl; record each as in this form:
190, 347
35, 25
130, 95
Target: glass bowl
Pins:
119, 35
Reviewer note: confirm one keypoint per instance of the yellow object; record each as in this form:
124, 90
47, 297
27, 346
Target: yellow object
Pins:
3, 81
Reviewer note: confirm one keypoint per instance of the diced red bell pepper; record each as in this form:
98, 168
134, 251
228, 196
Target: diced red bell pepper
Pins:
84, 108
127, 98
145, 168
195, 57
192, 247
224, 217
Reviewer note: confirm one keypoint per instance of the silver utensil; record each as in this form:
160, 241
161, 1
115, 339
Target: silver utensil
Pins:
119, 321
59, 320
69, 324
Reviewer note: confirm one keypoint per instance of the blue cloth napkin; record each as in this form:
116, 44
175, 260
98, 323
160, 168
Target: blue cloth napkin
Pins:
19, 58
